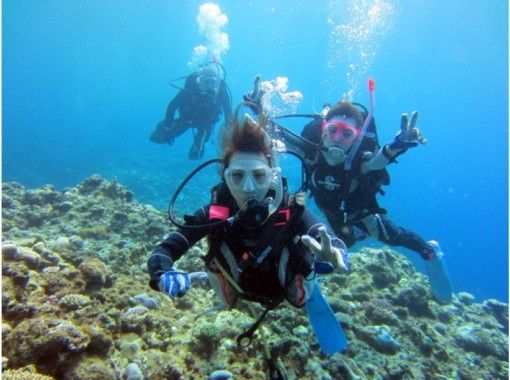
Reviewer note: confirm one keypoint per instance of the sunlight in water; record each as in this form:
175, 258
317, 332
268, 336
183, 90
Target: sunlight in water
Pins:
356, 32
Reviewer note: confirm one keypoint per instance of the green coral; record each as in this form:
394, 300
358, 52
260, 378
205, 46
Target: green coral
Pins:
26, 373
207, 337
95, 232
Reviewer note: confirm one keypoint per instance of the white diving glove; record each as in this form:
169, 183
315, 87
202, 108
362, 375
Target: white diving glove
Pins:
324, 251
177, 283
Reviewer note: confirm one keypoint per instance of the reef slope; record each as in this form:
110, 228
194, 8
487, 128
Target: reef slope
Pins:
76, 305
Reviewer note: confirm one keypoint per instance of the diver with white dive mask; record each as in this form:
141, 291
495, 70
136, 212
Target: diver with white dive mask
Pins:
263, 245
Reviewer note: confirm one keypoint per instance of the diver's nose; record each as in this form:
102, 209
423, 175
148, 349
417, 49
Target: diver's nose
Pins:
248, 186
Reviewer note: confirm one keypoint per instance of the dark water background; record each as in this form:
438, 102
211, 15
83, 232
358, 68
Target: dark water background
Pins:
84, 83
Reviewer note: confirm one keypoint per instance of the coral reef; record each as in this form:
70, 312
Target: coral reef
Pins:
76, 305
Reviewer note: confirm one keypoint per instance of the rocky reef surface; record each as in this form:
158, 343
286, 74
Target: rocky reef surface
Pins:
76, 305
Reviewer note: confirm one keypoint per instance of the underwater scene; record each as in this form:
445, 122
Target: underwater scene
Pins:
255, 189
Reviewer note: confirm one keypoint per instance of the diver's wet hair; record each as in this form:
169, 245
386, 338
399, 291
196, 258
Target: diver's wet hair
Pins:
247, 136
345, 108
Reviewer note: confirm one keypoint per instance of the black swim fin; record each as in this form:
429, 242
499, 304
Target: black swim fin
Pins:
161, 134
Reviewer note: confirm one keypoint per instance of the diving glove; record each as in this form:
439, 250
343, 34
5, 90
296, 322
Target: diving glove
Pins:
408, 136
253, 99
177, 283
325, 250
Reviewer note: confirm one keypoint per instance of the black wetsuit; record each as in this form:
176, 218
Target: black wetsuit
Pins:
326, 186
259, 281
196, 109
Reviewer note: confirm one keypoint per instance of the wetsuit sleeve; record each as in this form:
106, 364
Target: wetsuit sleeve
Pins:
384, 156
173, 106
174, 247
377, 161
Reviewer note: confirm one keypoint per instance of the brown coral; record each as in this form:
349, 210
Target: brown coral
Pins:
50, 344
94, 271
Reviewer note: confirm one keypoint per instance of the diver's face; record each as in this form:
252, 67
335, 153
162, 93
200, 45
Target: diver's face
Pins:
340, 132
338, 135
248, 175
209, 84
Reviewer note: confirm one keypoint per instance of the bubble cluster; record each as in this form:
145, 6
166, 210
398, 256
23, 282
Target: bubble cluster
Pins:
357, 29
277, 100
210, 21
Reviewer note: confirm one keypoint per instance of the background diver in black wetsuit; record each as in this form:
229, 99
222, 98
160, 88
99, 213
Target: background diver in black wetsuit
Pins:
344, 178
199, 104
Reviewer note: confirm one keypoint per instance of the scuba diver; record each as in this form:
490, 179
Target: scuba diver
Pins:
264, 246
205, 95
345, 169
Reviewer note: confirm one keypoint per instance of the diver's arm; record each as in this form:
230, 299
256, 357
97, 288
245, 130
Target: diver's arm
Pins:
174, 247
173, 106
375, 161
407, 137
381, 158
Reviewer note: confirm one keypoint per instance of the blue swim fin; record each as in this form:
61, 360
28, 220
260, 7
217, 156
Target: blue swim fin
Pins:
439, 279
326, 327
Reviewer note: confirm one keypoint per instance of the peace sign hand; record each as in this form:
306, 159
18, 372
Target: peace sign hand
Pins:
253, 99
409, 135
325, 251
408, 131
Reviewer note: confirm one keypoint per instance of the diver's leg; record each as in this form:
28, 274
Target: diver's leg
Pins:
386, 231
208, 132
196, 151
177, 128
160, 134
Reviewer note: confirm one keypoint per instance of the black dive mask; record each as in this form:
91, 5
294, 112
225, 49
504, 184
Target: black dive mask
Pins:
254, 212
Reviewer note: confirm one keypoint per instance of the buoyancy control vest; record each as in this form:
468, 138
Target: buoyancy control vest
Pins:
339, 180
198, 107
256, 252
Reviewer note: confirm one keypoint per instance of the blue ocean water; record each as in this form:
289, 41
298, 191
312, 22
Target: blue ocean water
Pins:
85, 82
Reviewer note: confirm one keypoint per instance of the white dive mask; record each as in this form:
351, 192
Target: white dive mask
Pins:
248, 176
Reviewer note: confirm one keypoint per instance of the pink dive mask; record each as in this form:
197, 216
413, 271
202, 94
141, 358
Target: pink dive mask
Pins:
339, 131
